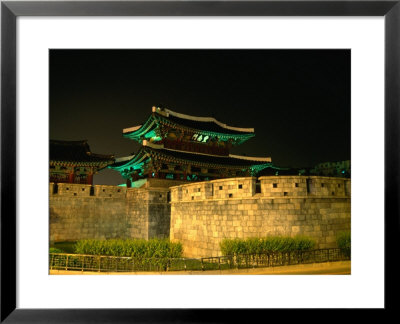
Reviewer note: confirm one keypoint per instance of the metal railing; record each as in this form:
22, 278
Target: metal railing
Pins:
80, 262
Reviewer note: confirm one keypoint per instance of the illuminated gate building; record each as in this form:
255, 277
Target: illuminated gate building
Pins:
187, 148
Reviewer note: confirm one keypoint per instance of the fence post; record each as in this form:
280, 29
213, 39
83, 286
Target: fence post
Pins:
328, 255
219, 263
99, 263
202, 264
66, 264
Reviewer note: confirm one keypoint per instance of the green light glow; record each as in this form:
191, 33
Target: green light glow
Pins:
150, 134
153, 123
138, 183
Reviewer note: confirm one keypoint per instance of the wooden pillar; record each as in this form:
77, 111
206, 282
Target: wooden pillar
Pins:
71, 177
90, 178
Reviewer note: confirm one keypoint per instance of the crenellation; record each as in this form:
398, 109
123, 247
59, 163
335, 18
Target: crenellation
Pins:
69, 189
109, 191
201, 222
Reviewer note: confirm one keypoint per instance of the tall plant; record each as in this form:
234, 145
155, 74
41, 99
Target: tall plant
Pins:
266, 245
343, 241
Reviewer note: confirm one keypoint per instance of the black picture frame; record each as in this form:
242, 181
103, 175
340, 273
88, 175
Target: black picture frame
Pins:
10, 10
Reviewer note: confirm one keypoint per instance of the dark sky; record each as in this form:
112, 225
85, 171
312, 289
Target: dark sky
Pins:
298, 101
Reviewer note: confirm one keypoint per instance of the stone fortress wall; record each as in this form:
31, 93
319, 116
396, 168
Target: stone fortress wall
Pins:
79, 211
203, 214
200, 215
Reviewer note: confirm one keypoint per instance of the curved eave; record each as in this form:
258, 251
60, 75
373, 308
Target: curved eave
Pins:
136, 132
240, 138
126, 165
97, 164
130, 163
173, 159
167, 113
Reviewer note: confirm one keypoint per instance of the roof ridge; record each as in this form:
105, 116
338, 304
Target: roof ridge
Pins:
166, 112
251, 158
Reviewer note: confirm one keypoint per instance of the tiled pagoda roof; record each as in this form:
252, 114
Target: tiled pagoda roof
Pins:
76, 151
195, 159
204, 125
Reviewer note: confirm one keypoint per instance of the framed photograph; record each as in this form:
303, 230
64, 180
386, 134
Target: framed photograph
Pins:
187, 81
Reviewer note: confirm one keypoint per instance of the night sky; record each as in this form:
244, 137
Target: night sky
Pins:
298, 101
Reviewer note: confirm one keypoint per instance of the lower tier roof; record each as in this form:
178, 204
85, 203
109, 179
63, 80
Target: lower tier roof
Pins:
163, 155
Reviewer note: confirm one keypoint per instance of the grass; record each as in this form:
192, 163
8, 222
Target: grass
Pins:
136, 248
65, 247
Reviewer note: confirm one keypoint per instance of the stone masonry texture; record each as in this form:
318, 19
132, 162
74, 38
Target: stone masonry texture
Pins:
200, 215
107, 212
317, 207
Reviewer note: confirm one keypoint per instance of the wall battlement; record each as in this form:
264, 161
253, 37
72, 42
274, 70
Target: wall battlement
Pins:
277, 186
155, 195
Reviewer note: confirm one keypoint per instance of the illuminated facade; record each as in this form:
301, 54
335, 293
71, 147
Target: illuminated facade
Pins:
73, 162
187, 148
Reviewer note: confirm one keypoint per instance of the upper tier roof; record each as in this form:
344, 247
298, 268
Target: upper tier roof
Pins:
202, 123
205, 125
76, 151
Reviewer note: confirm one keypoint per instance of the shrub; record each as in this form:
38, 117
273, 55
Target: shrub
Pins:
55, 250
266, 245
343, 241
154, 248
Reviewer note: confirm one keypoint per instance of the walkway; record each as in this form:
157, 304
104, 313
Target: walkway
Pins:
327, 268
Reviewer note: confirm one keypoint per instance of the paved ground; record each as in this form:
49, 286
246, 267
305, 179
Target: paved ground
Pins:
328, 268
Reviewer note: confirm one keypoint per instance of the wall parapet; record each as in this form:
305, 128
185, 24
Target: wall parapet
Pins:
215, 189
268, 186
70, 189
158, 195
295, 186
